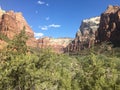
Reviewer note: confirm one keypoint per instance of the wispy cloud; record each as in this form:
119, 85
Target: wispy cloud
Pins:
47, 18
36, 12
40, 2
38, 35
54, 26
47, 4
49, 26
43, 27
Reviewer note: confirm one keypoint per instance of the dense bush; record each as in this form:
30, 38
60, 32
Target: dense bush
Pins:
50, 71
45, 70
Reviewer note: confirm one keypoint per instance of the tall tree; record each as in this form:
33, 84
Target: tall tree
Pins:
18, 44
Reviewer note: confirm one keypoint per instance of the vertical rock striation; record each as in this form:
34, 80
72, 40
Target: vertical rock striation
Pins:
12, 23
85, 37
109, 28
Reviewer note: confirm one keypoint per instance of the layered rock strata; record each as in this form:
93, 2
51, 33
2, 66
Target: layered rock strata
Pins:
56, 44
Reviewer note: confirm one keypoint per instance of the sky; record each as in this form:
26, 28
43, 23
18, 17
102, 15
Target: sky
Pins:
57, 18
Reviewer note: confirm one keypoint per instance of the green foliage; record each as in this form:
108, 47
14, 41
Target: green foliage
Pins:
99, 73
18, 44
18, 73
4, 37
43, 69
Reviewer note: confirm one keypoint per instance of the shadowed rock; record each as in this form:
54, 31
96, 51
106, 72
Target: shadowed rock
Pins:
109, 28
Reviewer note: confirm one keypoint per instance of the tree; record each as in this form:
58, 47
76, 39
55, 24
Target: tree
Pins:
18, 44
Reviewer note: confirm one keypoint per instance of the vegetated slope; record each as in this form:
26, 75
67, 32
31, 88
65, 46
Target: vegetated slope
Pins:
41, 69
47, 70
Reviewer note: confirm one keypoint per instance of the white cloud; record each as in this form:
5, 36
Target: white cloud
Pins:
40, 2
49, 26
43, 27
54, 26
38, 35
47, 18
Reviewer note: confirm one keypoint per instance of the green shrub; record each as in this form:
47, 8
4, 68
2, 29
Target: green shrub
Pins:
43, 69
4, 37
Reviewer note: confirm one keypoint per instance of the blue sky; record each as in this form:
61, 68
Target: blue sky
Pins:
57, 18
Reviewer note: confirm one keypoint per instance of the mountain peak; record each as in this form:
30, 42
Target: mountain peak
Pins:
112, 9
11, 24
109, 28
2, 11
93, 19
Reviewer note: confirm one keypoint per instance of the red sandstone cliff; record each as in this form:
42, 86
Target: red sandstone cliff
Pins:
12, 23
57, 44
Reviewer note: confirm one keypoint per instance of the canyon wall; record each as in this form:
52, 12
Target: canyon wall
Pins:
109, 28
56, 44
11, 24
85, 36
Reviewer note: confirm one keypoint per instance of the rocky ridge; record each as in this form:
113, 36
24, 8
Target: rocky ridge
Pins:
92, 30
11, 24
57, 44
109, 28
85, 36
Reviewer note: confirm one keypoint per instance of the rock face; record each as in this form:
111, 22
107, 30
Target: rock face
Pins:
85, 36
12, 23
109, 28
57, 44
